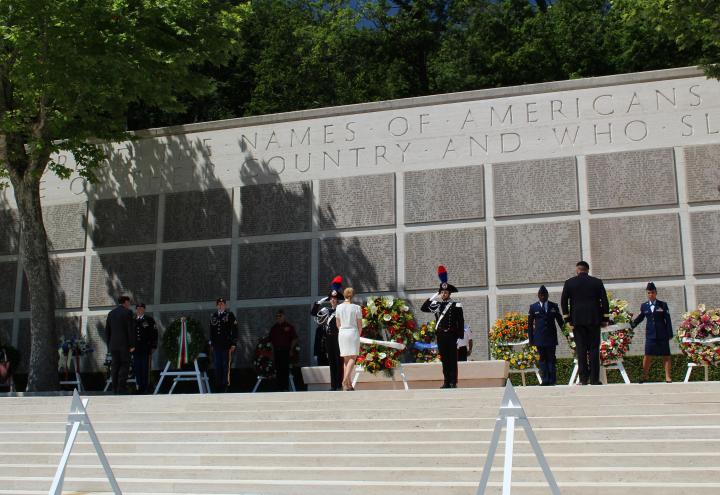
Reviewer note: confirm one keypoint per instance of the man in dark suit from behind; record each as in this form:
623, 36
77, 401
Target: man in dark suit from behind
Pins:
585, 306
120, 333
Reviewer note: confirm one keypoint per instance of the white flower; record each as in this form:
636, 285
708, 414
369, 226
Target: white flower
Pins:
382, 355
388, 300
387, 317
405, 308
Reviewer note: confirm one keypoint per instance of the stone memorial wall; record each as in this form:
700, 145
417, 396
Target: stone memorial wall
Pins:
507, 188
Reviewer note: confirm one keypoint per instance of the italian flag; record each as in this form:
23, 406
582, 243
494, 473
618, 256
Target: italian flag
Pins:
183, 344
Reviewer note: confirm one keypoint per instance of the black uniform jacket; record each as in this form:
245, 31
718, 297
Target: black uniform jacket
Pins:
584, 301
120, 329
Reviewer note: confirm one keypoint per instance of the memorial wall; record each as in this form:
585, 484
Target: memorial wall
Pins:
507, 187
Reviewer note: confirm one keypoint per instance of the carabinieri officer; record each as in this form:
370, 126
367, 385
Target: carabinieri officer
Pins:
542, 333
326, 318
450, 326
658, 331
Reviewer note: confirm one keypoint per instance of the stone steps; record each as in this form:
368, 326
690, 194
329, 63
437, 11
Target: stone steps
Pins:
639, 439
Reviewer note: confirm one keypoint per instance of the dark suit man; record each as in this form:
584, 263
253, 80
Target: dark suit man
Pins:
120, 333
585, 306
146, 341
542, 333
658, 331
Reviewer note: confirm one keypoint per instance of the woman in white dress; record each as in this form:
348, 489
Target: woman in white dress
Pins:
349, 322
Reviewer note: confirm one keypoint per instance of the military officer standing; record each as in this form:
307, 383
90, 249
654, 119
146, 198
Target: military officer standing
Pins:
585, 306
658, 331
120, 334
542, 333
146, 341
223, 341
449, 327
326, 317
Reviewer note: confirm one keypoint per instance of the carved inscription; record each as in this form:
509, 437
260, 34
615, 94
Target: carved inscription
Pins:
195, 215
367, 263
275, 208
709, 295
114, 275
462, 251
705, 232
444, 194
125, 221
703, 172
195, 274
65, 226
631, 178
642, 246
536, 253
274, 269
67, 276
352, 202
535, 186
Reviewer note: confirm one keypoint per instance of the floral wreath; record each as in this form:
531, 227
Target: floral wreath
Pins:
263, 361
508, 334
424, 348
699, 336
385, 318
195, 343
69, 353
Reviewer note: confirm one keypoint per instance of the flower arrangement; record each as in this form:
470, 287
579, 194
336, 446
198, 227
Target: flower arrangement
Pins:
616, 343
375, 359
69, 353
263, 361
196, 340
506, 335
385, 318
424, 349
699, 336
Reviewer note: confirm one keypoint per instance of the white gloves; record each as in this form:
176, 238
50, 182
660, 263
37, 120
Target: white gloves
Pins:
436, 297
324, 299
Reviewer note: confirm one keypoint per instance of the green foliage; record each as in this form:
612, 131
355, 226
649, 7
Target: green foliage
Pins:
196, 340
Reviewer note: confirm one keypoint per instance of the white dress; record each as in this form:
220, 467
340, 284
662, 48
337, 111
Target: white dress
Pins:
349, 333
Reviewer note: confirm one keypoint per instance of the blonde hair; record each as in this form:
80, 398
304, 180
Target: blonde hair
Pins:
348, 293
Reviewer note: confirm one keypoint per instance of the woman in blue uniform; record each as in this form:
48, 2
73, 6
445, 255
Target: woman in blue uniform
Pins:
658, 331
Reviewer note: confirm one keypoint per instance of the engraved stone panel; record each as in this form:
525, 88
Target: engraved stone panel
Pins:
352, 202
66, 327
636, 247
536, 253
114, 275
705, 232
631, 178
9, 231
195, 274
476, 317
275, 208
427, 190
125, 221
197, 215
709, 295
462, 251
673, 296
702, 168
367, 263
65, 226
67, 275
97, 340
8, 277
255, 323
274, 269
535, 186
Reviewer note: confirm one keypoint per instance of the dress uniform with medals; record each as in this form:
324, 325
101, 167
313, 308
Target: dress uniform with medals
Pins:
542, 333
450, 326
223, 340
325, 316
658, 330
146, 341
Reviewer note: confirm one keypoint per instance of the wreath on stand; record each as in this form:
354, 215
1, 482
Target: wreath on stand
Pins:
195, 342
263, 361
699, 336
506, 336
69, 353
385, 318
425, 349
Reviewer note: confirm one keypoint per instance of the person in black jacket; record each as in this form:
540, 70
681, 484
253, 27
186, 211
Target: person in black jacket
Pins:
120, 334
223, 341
450, 326
325, 316
146, 341
585, 306
542, 333
658, 331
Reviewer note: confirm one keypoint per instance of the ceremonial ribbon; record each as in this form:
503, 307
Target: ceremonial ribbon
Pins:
384, 343
422, 346
183, 344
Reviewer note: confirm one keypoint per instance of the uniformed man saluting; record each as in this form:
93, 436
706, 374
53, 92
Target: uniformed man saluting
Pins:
146, 341
223, 341
449, 327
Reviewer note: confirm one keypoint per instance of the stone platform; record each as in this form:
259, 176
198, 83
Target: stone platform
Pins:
471, 374
635, 439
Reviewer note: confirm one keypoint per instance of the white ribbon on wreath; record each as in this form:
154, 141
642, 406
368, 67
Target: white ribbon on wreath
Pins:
689, 340
616, 327
385, 343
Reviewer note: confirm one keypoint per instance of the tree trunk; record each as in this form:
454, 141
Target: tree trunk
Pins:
43, 362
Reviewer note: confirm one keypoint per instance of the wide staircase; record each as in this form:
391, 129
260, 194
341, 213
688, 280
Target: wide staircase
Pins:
617, 439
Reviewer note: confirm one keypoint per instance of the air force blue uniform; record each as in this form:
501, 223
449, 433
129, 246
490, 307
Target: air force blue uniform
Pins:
658, 329
542, 333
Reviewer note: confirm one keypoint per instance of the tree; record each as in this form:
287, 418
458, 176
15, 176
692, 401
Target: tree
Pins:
69, 70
